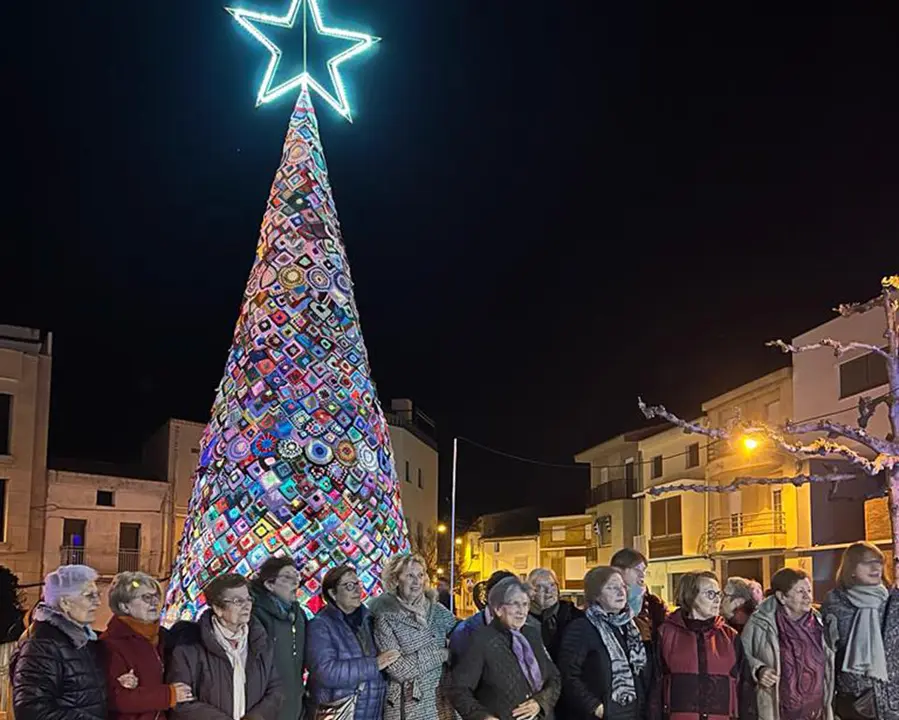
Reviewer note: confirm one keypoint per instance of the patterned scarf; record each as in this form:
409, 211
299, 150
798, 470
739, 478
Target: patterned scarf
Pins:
802, 663
527, 661
865, 654
625, 665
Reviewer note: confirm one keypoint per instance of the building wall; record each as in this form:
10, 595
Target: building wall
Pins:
518, 555
567, 548
25, 365
422, 461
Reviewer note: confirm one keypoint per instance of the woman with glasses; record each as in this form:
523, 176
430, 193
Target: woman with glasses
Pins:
604, 664
861, 617
409, 618
274, 591
700, 667
786, 653
134, 649
57, 668
344, 664
548, 611
231, 666
506, 671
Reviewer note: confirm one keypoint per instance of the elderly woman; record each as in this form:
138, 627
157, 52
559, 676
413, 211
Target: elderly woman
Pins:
231, 667
741, 598
700, 671
462, 633
134, 651
506, 671
57, 668
862, 622
548, 611
786, 652
409, 618
344, 665
605, 670
274, 591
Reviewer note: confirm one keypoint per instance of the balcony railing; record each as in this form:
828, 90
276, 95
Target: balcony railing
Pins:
746, 524
110, 563
571, 536
618, 489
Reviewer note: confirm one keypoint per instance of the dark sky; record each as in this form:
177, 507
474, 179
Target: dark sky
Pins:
548, 207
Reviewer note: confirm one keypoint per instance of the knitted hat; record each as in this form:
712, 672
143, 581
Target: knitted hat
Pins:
66, 581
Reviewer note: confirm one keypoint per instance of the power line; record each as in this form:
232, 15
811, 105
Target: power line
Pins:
582, 466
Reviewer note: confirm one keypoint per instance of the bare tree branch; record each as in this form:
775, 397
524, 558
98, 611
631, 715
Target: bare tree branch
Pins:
796, 480
659, 411
836, 429
868, 406
837, 347
847, 309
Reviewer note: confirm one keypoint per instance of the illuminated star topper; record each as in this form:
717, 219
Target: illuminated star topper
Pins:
269, 91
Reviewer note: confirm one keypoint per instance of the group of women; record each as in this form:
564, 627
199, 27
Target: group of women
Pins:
720, 655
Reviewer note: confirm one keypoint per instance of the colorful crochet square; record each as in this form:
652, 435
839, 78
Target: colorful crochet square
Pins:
296, 458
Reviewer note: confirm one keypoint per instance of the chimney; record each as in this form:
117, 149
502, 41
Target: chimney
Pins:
402, 408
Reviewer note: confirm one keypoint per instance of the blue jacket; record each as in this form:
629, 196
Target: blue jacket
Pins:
338, 664
461, 635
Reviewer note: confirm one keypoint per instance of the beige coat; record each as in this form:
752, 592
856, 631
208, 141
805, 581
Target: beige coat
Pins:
761, 645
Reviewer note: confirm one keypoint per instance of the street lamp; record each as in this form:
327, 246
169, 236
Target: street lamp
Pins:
441, 528
750, 443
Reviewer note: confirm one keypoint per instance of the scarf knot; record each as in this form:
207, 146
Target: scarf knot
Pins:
627, 654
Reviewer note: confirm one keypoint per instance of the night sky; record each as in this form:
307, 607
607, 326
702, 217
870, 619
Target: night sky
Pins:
548, 207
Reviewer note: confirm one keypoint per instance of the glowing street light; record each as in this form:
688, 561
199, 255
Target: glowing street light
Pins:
750, 443
440, 571
441, 528
458, 541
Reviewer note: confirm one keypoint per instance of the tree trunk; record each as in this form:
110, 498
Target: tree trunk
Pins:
894, 520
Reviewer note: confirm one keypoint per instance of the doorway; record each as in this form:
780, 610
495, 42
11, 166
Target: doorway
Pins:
129, 547
74, 533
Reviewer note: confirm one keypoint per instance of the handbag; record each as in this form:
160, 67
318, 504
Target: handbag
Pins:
343, 709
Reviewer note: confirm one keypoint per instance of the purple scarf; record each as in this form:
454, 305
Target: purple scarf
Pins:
802, 662
527, 661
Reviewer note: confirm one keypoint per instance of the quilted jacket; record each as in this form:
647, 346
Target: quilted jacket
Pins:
57, 671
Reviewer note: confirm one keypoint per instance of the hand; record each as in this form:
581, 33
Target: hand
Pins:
183, 693
128, 680
767, 677
600, 711
528, 710
387, 658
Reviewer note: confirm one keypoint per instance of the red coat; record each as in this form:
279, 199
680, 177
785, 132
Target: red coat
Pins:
701, 672
125, 649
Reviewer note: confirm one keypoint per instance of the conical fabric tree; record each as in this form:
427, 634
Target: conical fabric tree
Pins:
296, 458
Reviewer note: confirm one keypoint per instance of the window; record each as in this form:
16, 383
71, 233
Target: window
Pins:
603, 474
420, 481
129, 547
195, 451
863, 373
665, 517
2, 509
604, 530
408, 477
105, 498
692, 455
496, 548
629, 469
5, 423
657, 467
558, 533
73, 540
777, 505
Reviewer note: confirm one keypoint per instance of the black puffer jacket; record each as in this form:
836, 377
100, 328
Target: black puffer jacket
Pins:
57, 672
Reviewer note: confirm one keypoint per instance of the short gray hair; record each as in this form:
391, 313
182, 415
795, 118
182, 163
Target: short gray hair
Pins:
540, 572
125, 586
501, 592
66, 581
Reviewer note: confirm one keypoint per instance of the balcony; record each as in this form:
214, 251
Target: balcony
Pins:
617, 489
110, 563
743, 531
576, 536
666, 546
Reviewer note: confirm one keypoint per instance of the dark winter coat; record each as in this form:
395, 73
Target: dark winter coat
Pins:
838, 615
57, 672
488, 680
286, 628
340, 662
205, 667
587, 677
124, 649
651, 616
461, 636
700, 674
552, 635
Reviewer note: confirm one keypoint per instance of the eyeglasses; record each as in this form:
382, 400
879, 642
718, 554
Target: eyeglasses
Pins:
292, 580
149, 598
350, 586
545, 587
238, 602
518, 605
712, 595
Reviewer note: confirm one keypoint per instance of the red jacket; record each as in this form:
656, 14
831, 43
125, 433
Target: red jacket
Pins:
700, 674
126, 649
